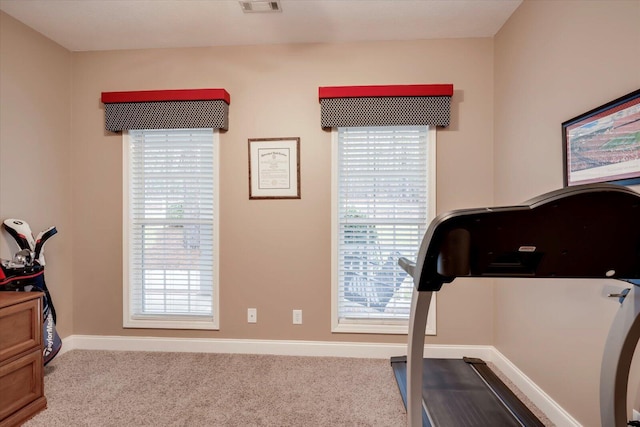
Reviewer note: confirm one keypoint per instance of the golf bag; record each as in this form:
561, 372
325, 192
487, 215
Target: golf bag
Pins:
25, 273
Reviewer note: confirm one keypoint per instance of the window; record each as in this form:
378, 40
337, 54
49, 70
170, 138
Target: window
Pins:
171, 228
383, 195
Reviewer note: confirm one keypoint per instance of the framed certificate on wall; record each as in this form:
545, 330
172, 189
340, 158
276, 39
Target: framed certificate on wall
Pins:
274, 168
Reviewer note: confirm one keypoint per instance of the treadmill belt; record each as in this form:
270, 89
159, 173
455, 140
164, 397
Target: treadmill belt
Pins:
456, 395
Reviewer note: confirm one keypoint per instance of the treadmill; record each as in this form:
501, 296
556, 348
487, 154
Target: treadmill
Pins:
588, 232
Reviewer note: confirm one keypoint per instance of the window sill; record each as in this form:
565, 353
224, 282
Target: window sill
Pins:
378, 328
159, 323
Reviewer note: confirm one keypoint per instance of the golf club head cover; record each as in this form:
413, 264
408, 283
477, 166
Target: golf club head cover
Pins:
41, 239
21, 232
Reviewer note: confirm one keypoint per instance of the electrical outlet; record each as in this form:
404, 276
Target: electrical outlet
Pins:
297, 317
252, 315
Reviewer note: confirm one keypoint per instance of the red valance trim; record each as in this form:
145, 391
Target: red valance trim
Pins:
167, 95
385, 91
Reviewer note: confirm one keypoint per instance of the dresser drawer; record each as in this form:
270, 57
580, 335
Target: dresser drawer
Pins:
20, 383
20, 328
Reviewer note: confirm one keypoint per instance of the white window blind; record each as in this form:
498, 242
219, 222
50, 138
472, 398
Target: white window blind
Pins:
171, 228
382, 209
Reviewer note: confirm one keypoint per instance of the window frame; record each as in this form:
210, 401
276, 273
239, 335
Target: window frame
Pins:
373, 326
170, 321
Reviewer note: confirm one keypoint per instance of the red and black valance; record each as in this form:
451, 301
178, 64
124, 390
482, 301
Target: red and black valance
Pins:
166, 109
398, 105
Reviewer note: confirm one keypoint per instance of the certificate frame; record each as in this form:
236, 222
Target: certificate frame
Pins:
603, 145
274, 168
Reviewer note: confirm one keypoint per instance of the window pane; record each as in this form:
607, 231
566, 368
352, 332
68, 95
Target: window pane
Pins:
382, 216
172, 231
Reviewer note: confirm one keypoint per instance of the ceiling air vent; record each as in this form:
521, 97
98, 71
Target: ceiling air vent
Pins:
256, 6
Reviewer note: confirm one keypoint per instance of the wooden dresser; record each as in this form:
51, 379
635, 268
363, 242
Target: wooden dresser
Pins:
21, 363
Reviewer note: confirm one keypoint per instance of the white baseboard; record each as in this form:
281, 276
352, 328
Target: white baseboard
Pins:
274, 347
542, 400
324, 348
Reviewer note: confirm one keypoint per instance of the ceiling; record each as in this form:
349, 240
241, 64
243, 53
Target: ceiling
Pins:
87, 25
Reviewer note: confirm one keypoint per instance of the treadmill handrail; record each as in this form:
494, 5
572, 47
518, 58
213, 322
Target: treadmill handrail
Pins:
407, 265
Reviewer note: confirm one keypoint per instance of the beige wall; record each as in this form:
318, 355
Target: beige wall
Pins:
274, 93
275, 255
35, 151
545, 73
553, 61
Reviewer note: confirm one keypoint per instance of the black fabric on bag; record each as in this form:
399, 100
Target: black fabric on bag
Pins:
31, 279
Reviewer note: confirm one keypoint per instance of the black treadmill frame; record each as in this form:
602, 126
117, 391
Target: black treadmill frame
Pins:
568, 233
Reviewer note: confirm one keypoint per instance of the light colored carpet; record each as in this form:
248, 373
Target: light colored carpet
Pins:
100, 388
107, 388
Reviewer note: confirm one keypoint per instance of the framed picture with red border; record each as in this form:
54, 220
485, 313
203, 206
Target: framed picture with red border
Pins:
603, 145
